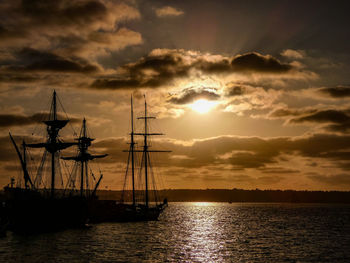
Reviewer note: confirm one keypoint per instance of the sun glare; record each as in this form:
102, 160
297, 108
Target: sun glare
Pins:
202, 105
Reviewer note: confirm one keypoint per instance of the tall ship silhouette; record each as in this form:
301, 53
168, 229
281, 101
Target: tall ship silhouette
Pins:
45, 202
140, 200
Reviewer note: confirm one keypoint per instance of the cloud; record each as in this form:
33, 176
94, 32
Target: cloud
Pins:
293, 54
241, 98
256, 156
31, 60
113, 147
8, 120
189, 95
15, 77
255, 62
154, 70
236, 90
334, 120
38, 17
339, 127
162, 66
253, 159
61, 37
287, 112
168, 11
241, 152
336, 92
337, 120
98, 42
324, 116
278, 170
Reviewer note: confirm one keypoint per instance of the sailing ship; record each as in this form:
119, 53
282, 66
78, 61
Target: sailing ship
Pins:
139, 209
38, 208
143, 206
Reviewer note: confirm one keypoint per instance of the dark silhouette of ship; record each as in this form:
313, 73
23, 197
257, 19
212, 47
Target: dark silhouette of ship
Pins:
39, 207
143, 206
34, 208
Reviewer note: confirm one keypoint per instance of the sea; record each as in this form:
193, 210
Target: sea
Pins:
200, 232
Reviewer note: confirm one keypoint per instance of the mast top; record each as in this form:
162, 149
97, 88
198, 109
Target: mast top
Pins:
53, 122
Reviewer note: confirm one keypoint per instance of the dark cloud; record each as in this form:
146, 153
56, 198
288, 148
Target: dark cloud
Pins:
63, 12
242, 152
277, 170
37, 16
286, 112
337, 120
254, 152
249, 62
20, 78
221, 65
8, 120
190, 95
153, 70
336, 92
29, 60
44, 37
341, 127
162, 66
237, 90
230, 153
324, 116
255, 62
336, 155
8, 34
252, 160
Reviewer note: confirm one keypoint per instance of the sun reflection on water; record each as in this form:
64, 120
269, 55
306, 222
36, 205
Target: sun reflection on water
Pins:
204, 231
204, 204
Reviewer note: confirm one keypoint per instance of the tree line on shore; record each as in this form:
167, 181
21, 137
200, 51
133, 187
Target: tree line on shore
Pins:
240, 195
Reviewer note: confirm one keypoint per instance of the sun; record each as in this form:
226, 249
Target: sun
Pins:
202, 105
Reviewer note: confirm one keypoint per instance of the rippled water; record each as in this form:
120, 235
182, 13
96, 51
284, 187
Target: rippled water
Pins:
200, 232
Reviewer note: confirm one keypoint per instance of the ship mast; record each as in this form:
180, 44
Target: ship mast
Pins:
53, 144
83, 157
146, 151
23, 161
132, 148
131, 152
53, 133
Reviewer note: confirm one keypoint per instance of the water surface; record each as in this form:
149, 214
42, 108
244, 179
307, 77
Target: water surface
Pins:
200, 232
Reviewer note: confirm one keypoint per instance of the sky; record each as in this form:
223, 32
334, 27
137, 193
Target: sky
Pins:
249, 94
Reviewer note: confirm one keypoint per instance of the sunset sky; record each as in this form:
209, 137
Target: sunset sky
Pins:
250, 94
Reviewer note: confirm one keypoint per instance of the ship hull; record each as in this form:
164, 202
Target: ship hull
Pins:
31, 212
110, 211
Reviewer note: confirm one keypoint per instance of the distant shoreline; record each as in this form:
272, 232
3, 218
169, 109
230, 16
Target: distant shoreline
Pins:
238, 196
